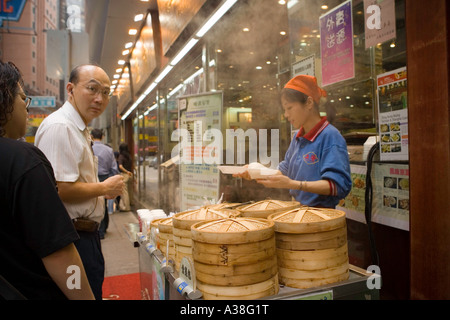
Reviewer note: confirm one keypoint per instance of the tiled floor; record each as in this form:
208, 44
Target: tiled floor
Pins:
121, 257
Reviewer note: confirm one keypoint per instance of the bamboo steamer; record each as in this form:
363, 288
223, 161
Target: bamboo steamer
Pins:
154, 233
311, 246
182, 223
264, 208
165, 228
246, 292
235, 258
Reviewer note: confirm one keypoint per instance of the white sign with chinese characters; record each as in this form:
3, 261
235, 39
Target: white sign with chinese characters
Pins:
380, 21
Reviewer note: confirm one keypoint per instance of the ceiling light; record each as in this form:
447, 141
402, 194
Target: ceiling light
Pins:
114, 81
132, 32
191, 43
258, 67
324, 7
246, 29
128, 45
116, 76
125, 52
283, 33
282, 2
215, 17
184, 51
119, 70
138, 17
121, 62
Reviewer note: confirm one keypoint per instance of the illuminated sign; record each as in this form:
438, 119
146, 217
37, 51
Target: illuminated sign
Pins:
11, 10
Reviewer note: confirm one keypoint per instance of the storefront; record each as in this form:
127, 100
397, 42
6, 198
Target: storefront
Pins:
229, 78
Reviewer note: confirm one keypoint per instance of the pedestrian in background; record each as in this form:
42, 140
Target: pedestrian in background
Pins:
36, 233
126, 169
65, 140
107, 167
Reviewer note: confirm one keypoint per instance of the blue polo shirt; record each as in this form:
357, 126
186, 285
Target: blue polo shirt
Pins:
320, 154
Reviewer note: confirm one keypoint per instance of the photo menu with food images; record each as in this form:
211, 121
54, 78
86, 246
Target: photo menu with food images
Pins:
393, 115
391, 195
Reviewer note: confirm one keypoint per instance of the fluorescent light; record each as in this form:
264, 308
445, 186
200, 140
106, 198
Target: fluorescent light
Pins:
128, 45
125, 52
183, 51
121, 62
150, 88
132, 32
215, 17
191, 43
177, 88
163, 73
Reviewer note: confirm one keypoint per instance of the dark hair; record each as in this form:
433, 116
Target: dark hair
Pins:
123, 151
75, 73
10, 79
97, 133
292, 95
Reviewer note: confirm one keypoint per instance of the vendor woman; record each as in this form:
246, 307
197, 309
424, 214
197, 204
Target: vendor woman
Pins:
316, 167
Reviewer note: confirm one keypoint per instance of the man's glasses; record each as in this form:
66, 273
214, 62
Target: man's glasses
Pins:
94, 90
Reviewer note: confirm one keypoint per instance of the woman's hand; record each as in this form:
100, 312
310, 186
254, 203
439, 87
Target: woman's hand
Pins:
279, 181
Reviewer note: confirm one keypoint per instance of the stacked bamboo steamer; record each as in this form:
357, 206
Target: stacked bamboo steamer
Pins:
311, 246
165, 233
235, 258
154, 232
182, 223
264, 208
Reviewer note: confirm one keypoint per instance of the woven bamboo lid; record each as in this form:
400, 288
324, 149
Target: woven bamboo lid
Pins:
185, 219
233, 230
165, 225
262, 209
308, 220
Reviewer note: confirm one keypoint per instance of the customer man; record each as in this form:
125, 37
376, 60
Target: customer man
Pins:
107, 167
64, 138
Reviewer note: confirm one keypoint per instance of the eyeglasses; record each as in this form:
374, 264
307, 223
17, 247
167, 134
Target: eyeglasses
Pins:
27, 103
95, 90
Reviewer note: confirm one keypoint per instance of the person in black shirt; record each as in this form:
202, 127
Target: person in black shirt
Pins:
126, 170
37, 254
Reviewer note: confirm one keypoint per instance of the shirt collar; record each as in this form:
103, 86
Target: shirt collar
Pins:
73, 114
315, 131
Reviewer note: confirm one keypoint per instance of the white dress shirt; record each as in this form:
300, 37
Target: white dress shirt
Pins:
64, 139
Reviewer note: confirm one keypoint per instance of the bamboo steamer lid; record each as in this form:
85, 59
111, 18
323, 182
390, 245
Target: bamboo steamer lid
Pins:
308, 220
264, 208
184, 220
224, 205
233, 230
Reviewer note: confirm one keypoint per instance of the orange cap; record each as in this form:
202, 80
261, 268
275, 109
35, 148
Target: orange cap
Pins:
307, 85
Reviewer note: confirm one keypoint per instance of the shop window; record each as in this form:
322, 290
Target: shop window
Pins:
353, 100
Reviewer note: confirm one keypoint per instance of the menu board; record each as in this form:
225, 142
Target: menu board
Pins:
199, 117
390, 200
393, 115
391, 195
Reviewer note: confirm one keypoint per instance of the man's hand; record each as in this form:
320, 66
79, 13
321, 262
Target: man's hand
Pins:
113, 186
